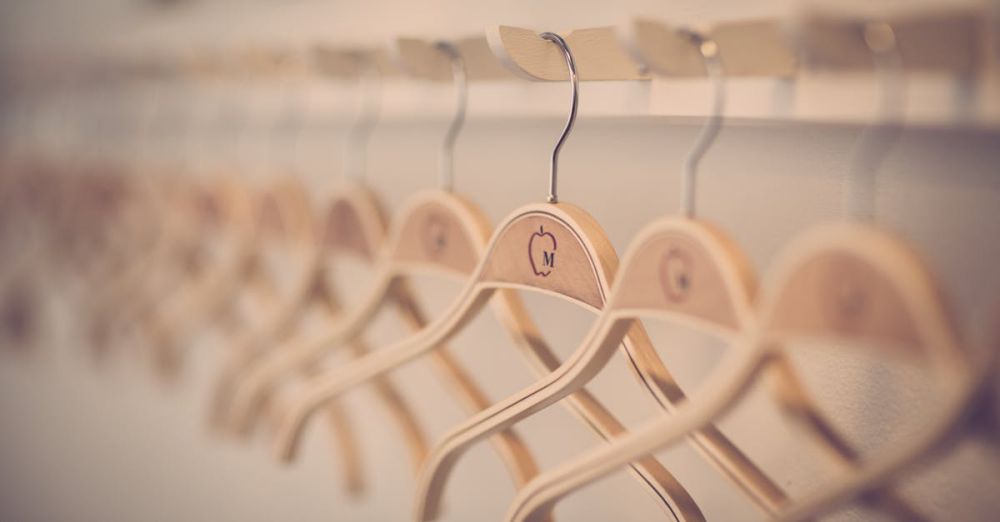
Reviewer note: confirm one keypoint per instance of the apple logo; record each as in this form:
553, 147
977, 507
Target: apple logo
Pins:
435, 235
542, 252
675, 274
849, 300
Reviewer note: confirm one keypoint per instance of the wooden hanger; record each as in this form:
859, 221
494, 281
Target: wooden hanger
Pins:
554, 249
846, 282
200, 280
181, 264
132, 207
171, 251
673, 253
278, 218
445, 230
284, 223
352, 226
900, 309
23, 188
212, 295
186, 215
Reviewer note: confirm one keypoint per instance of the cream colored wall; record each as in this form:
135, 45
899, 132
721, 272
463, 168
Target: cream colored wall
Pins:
107, 442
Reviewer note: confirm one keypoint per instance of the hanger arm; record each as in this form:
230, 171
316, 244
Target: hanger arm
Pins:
535, 500
949, 423
655, 478
245, 351
504, 414
327, 387
509, 446
611, 331
262, 377
209, 301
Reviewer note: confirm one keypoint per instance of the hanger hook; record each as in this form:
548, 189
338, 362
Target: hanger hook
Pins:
709, 51
460, 79
571, 120
370, 85
876, 140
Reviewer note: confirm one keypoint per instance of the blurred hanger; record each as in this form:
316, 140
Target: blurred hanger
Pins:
282, 228
847, 283
441, 234
552, 248
352, 225
275, 218
156, 208
219, 250
27, 194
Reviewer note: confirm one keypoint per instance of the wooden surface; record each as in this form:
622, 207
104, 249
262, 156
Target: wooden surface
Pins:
422, 59
597, 52
746, 48
591, 262
939, 39
437, 231
719, 277
891, 266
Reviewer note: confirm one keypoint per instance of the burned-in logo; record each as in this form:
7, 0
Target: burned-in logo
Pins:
849, 290
435, 235
542, 252
675, 274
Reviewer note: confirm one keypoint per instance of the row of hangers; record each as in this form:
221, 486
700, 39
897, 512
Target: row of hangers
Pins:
852, 283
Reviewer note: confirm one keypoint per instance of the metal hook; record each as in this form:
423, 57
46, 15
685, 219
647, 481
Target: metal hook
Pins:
460, 80
370, 85
575, 82
713, 66
875, 141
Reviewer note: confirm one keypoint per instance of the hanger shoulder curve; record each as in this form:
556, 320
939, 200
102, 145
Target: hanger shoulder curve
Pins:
436, 230
859, 283
440, 231
687, 271
721, 275
525, 262
554, 247
353, 222
869, 288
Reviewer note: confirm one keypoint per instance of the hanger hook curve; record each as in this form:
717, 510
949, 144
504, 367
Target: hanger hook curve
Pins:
709, 51
460, 79
571, 120
876, 140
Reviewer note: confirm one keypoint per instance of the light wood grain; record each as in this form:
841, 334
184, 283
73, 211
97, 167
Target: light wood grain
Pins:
438, 232
420, 58
895, 271
939, 39
586, 256
597, 53
746, 48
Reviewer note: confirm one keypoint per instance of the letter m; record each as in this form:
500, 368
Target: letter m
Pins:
549, 259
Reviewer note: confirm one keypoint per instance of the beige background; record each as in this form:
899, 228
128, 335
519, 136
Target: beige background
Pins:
107, 442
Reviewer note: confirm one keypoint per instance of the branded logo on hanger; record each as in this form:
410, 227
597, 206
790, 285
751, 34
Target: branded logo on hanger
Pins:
435, 235
848, 302
675, 274
542, 252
